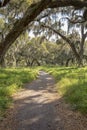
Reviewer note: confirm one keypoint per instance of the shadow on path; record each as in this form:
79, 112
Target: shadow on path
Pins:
38, 107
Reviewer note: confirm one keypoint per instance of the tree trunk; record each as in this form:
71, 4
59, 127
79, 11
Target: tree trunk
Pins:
70, 43
14, 61
37, 62
32, 12
67, 62
83, 37
2, 62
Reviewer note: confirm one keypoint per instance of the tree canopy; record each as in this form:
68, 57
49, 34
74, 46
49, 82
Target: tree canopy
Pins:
34, 8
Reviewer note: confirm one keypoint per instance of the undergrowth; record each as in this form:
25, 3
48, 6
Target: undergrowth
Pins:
11, 80
72, 85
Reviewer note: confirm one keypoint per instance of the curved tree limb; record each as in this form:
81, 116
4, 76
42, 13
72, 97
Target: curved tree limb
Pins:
4, 3
65, 39
62, 3
32, 12
21, 25
75, 21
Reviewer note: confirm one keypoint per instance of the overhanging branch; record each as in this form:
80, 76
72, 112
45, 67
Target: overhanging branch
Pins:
32, 12
65, 39
63, 3
4, 3
75, 21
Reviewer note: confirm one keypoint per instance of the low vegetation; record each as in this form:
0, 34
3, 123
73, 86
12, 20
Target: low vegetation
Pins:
11, 80
72, 85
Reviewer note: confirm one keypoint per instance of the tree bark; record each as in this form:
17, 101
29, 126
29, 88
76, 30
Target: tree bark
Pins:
83, 38
32, 12
2, 64
4, 3
21, 25
78, 57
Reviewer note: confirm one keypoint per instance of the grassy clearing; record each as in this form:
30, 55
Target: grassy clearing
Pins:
11, 80
72, 85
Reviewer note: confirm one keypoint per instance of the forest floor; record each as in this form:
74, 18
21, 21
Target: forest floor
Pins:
39, 107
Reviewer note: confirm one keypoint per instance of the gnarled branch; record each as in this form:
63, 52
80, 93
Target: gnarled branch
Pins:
4, 3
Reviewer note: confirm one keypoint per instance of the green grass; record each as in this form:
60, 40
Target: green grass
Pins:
72, 85
11, 80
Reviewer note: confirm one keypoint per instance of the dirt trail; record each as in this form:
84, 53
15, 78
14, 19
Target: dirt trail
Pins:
38, 107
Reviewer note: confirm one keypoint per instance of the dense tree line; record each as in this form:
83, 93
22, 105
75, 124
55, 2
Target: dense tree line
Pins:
19, 16
38, 51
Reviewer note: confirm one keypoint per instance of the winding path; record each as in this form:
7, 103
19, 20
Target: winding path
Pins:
38, 107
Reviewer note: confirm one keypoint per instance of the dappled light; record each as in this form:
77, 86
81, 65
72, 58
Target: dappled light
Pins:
12, 80
38, 106
71, 83
43, 65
